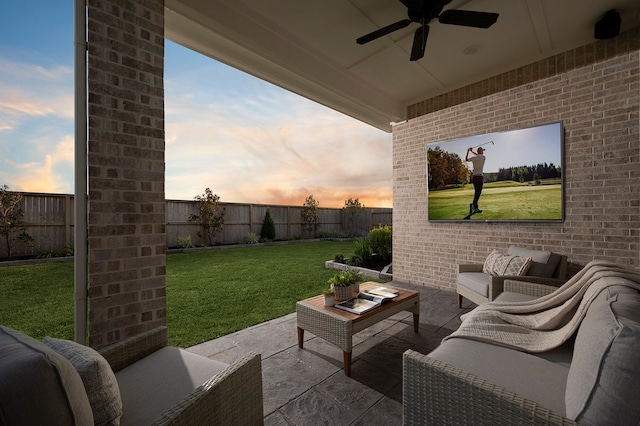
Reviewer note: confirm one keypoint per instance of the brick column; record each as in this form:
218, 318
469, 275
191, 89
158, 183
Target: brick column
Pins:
127, 240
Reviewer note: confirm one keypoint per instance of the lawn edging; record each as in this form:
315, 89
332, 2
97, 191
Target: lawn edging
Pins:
384, 275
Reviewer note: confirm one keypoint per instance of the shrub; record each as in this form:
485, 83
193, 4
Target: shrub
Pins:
47, 254
339, 258
12, 226
68, 248
380, 240
362, 252
250, 238
185, 242
268, 230
332, 234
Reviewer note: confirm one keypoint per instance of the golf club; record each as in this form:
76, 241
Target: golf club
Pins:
482, 144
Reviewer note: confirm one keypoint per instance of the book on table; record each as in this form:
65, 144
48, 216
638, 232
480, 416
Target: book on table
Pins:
383, 293
367, 300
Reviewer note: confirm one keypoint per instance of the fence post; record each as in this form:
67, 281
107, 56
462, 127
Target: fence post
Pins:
67, 219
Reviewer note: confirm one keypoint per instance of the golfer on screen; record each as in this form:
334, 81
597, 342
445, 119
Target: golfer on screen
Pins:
478, 178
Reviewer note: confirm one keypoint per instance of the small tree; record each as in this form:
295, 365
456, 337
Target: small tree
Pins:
309, 214
209, 215
268, 230
12, 226
351, 209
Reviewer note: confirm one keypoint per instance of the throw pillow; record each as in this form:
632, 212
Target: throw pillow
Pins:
488, 267
99, 381
506, 265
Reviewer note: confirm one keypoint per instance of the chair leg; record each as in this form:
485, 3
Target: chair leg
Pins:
459, 300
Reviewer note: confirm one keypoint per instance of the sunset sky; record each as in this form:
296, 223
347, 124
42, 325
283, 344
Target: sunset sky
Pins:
248, 140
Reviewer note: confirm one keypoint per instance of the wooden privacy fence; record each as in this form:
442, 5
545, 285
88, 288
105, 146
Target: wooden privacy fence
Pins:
49, 218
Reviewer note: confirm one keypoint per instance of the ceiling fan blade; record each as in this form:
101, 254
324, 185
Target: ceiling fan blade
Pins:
383, 31
468, 18
419, 43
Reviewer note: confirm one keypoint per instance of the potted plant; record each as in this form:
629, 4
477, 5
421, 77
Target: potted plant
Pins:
329, 297
345, 283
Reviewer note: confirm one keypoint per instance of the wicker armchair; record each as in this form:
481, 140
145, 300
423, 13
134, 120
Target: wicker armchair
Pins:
479, 287
435, 393
231, 397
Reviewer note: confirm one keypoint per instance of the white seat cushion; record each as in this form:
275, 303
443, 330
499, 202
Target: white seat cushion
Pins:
154, 384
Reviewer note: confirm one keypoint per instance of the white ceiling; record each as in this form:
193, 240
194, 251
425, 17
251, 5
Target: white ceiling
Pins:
308, 46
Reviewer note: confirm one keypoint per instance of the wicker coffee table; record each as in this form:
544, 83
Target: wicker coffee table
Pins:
338, 327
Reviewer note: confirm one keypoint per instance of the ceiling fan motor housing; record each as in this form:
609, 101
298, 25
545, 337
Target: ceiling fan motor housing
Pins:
608, 26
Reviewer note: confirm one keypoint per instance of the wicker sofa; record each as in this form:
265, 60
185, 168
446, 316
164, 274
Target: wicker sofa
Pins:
58, 382
593, 379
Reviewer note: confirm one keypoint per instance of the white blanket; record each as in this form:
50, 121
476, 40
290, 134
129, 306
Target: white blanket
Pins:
547, 322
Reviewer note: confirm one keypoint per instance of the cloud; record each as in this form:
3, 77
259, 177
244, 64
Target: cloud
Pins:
253, 142
29, 90
52, 174
302, 149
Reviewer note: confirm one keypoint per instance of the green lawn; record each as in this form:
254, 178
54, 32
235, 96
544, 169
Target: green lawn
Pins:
209, 293
499, 202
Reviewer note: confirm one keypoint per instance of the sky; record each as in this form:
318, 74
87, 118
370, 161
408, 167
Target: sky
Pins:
518, 147
246, 139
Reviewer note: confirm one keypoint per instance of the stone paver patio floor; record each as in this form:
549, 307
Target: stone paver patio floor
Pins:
308, 386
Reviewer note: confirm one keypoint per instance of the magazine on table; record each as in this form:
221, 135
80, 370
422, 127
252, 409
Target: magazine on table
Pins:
357, 305
367, 300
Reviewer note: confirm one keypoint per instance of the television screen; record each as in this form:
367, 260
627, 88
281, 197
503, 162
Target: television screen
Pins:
515, 175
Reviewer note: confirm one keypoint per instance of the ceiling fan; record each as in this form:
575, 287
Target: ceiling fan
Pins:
423, 12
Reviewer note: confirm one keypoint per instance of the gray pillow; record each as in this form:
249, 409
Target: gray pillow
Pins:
37, 385
543, 263
603, 385
98, 378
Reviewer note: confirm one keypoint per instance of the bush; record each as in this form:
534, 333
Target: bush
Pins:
185, 242
250, 238
380, 240
362, 252
268, 230
332, 234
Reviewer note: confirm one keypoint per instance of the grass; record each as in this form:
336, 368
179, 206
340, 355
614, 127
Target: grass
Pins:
209, 293
499, 202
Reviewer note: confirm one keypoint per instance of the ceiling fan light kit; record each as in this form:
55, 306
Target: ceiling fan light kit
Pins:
423, 12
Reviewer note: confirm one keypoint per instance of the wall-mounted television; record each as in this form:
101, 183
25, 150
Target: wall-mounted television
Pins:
510, 176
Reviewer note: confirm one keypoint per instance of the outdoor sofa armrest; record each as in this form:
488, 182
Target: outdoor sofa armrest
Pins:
497, 285
232, 397
437, 393
528, 287
126, 352
473, 267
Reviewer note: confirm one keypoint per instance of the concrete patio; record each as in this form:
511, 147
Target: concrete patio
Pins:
308, 386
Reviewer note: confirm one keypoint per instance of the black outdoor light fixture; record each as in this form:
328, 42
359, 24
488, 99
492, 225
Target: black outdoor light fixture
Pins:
608, 26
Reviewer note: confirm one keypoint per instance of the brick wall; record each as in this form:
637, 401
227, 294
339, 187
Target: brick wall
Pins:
127, 241
594, 91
